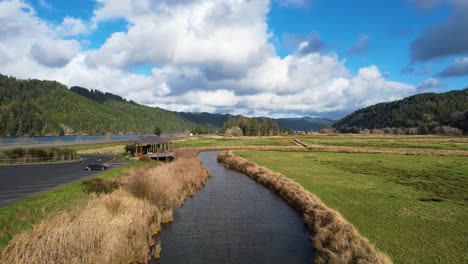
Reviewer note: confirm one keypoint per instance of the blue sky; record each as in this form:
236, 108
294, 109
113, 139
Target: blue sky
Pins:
275, 58
390, 25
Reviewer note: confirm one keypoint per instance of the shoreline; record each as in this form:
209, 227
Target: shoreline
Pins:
335, 240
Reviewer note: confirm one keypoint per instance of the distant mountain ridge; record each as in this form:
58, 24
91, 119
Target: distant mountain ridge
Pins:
421, 114
305, 123
35, 108
209, 120
298, 124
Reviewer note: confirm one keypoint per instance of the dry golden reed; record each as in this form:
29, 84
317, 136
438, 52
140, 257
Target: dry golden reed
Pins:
116, 227
334, 239
167, 186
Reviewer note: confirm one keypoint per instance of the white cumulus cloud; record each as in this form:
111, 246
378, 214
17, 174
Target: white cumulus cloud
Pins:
72, 27
214, 56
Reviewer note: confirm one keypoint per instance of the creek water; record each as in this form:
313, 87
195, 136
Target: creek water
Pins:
233, 219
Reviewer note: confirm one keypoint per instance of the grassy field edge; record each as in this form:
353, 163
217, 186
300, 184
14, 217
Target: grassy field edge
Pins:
335, 240
411, 206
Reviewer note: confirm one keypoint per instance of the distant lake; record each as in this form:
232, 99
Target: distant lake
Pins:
69, 139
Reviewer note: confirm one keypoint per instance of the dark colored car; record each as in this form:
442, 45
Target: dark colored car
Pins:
94, 166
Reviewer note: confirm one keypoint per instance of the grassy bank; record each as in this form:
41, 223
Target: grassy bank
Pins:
23, 215
119, 149
116, 227
334, 239
412, 207
386, 141
232, 141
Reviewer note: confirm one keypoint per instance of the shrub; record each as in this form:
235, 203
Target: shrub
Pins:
66, 154
15, 153
145, 158
99, 186
37, 153
326, 130
130, 148
234, 132
365, 131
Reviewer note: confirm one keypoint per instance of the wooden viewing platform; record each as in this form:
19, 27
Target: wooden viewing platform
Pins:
154, 147
161, 155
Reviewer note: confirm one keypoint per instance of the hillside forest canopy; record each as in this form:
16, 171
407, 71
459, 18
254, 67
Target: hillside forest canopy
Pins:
429, 113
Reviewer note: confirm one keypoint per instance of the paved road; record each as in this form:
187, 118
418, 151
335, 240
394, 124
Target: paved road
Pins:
20, 181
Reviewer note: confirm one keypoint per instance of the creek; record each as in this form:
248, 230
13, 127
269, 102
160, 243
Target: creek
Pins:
233, 219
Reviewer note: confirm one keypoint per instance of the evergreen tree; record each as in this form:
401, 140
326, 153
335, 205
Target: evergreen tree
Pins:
157, 131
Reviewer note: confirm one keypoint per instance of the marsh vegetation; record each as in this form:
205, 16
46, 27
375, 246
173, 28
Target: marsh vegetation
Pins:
334, 239
117, 227
413, 207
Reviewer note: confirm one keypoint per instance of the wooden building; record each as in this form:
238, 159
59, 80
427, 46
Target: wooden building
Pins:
154, 146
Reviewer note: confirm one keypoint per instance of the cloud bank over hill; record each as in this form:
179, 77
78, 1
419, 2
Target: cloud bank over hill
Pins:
203, 56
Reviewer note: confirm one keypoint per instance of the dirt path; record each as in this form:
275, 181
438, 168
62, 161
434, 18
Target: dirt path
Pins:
299, 143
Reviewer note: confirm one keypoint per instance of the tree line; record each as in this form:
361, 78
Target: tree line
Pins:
97, 95
40, 154
244, 126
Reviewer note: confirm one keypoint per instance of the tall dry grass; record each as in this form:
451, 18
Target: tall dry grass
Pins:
334, 239
167, 186
116, 227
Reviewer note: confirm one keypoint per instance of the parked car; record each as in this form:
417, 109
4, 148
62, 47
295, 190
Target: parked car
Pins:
94, 166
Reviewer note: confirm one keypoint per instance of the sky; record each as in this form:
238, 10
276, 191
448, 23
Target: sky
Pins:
275, 58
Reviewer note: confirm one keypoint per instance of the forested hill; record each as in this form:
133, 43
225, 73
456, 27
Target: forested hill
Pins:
444, 113
208, 120
214, 121
33, 107
305, 123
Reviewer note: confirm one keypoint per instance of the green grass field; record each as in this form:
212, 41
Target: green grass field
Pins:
229, 142
413, 207
418, 142
23, 215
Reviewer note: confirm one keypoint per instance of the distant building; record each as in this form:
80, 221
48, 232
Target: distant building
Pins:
153, 146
